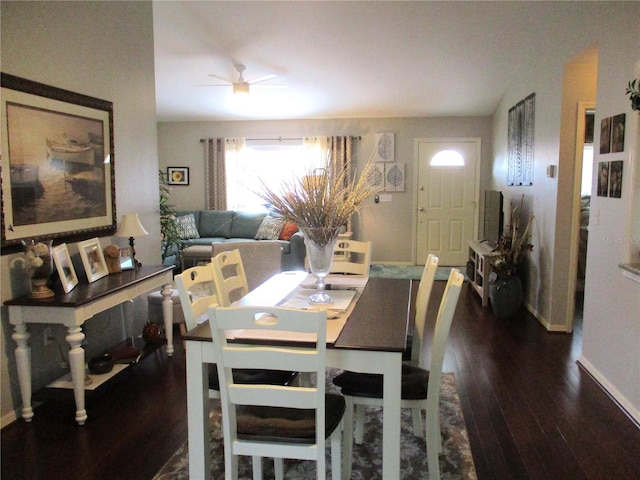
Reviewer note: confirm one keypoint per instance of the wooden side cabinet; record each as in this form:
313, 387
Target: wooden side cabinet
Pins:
479, 268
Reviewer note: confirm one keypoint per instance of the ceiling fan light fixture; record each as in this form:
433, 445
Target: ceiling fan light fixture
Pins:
241, 88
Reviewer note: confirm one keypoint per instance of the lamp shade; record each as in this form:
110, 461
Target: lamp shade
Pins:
131, 226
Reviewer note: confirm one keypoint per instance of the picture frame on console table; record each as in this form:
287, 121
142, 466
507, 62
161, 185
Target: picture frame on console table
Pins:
64, 266
58, 173
93, 259
126, 259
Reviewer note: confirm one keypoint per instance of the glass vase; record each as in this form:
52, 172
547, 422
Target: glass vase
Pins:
38, 261
320, 243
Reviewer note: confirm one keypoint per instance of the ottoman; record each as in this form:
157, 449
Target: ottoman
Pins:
195, 254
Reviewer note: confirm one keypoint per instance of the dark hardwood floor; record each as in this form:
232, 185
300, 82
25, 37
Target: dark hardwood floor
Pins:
531, 412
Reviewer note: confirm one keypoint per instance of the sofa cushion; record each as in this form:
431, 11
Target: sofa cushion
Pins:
215, 223
186, 226
270, 228
245, 225
288, 230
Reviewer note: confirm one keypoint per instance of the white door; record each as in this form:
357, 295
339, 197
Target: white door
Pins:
447, 199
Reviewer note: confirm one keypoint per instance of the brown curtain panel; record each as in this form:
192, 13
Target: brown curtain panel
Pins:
215, 171
341, 151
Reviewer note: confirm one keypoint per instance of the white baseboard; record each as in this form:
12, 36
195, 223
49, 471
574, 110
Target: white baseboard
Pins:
397, 264
625, 405
8, 418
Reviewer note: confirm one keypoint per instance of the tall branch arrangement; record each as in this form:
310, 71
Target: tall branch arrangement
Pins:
513, 244
323, 200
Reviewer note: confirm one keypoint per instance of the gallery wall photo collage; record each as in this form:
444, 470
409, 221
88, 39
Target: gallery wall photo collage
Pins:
611, 141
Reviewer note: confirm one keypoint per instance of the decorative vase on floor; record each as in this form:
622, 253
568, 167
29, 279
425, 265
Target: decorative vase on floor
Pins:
320, 243
505, 292
38, 260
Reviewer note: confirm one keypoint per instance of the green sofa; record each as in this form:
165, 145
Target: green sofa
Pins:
234, 226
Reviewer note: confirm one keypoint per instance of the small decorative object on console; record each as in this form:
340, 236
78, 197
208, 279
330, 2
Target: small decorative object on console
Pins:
112, 258
152, 334
101, 364
38, 264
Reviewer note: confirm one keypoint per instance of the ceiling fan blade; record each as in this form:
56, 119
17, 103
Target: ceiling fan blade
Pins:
229, 82
269, 86
261, 79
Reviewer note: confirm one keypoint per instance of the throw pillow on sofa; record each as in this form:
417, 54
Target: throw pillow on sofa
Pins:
270, 228
186, 226
288, 230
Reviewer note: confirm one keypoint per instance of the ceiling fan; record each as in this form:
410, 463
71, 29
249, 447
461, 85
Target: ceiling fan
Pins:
241, 85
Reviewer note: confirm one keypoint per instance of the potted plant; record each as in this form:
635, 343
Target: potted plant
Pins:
634, 94
172, 244
505, 289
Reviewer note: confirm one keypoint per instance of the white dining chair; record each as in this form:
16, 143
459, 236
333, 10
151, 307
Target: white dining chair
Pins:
420, 387
275, 421
229, 277
415, 342
194, 307
354, 257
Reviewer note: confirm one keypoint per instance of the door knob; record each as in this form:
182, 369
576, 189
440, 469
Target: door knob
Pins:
421, 209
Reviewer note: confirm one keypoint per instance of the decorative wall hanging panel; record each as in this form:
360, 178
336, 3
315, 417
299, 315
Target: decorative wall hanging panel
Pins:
385, 147
520, 142
389, 177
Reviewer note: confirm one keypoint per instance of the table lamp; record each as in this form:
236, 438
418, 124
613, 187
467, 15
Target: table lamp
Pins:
131, 227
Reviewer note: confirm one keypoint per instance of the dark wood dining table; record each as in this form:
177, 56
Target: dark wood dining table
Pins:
371, 341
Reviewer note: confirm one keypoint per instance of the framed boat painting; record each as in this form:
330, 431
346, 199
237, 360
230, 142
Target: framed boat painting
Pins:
58, 173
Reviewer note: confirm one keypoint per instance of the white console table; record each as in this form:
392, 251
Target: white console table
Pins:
75, 308
480, 254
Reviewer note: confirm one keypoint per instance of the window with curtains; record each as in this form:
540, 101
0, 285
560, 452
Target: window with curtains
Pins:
265, 162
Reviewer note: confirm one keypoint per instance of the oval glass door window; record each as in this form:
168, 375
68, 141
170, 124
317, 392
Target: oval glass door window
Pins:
447, 158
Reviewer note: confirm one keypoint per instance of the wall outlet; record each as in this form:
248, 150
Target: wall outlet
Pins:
386, 197
48, 335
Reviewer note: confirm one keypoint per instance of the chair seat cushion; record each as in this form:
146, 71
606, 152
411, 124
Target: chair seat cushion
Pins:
287, 424
414, 383
269, 377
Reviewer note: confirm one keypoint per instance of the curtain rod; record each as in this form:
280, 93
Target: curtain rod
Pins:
279, 139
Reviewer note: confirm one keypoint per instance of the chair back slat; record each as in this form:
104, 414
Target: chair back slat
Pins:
441, 333
273, 396
192, 310
271, 358
229, 277
422, 305
358, 259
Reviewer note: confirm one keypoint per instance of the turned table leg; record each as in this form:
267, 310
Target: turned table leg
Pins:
76, 363
23, 362
167, 314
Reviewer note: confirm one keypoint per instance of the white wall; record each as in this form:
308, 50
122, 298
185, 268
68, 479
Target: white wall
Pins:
611, 328
104, 50
388, 225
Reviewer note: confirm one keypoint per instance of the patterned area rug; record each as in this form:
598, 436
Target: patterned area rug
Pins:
456, 461
412, 272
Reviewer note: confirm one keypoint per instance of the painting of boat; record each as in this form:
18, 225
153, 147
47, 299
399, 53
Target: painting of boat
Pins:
71, 151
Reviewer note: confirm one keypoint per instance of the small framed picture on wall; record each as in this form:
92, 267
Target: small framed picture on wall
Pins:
605, 135
178, 175
617, 133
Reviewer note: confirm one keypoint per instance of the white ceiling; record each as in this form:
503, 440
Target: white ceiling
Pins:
341, 59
